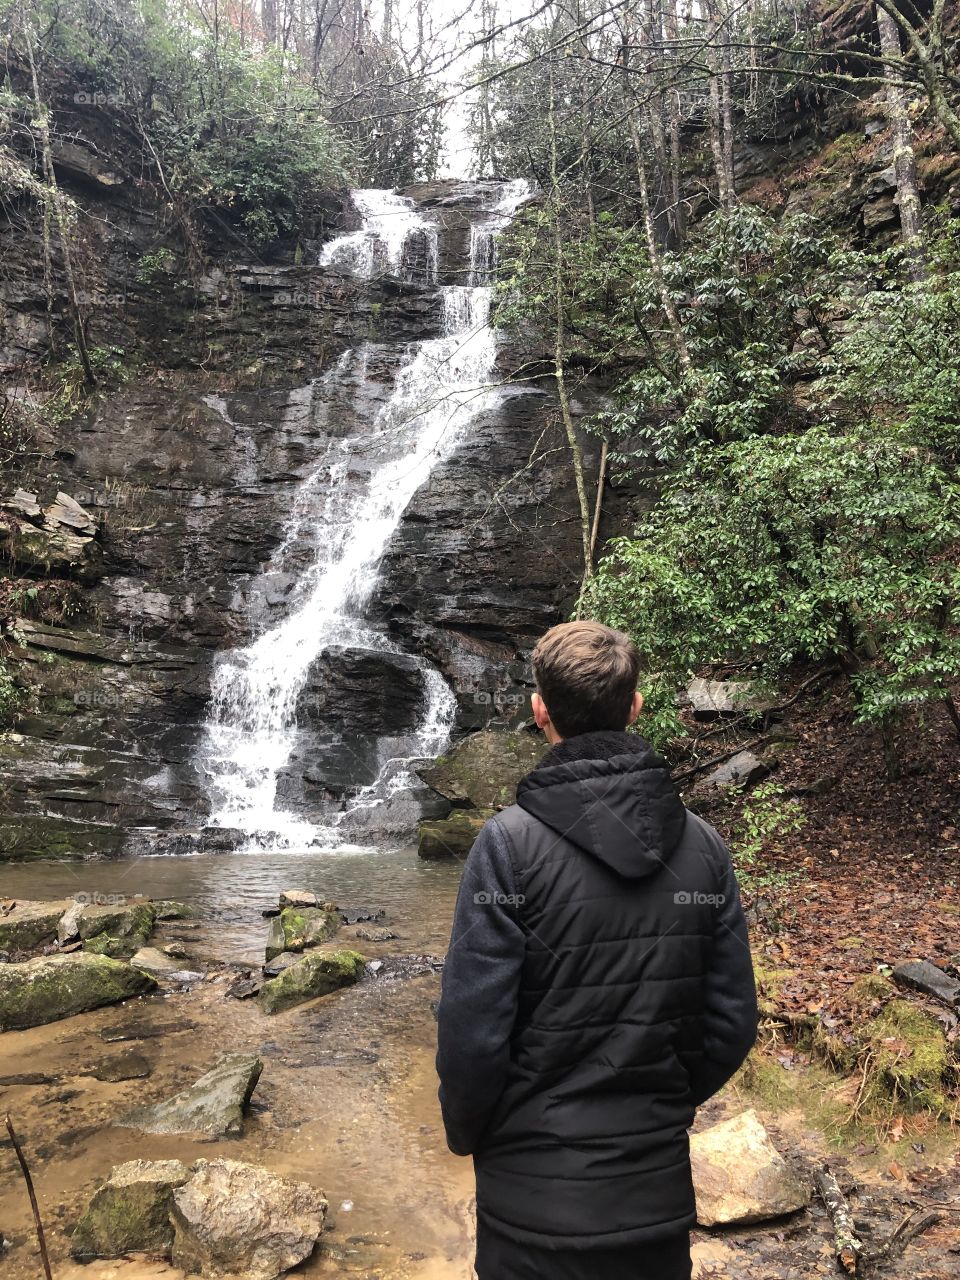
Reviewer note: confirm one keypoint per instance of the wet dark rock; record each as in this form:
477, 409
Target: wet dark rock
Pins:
49, 988
122, 1066
130, 1212
280, 962
452, 837
28, 1077
929, 978
234, 1219
213, 1105
360, 915
141, 1030
245, 987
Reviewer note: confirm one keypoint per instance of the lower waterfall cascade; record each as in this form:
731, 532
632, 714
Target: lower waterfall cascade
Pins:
441, 386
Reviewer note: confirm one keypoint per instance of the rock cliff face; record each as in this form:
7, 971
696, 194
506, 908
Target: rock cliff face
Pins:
188, 470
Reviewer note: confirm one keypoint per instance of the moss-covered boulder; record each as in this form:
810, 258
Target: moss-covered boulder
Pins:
48, 988
482, 771
452, 837
297, 928
116, 931
317, 974
29, 925
130, 1212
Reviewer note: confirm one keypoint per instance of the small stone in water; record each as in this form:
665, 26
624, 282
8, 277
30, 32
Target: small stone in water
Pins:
361, 915
374, 935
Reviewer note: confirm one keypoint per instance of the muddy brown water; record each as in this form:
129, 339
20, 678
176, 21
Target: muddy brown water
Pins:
347, 1099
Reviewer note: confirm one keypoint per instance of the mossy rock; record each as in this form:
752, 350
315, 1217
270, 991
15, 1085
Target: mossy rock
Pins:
117, 931
297, 928
317, 974
452, 837
168, 909
30, 925
131, 1211
482, 771
48, 988
910, 1059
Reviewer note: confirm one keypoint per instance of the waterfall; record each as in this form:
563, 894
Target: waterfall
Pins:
442, 385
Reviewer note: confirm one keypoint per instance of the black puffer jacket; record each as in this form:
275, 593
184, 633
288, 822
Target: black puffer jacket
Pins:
598, 987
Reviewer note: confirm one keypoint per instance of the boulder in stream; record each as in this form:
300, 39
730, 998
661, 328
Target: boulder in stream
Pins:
130, 1212
297, 928
739, 1176
28, 925
48, 988
234, 1219
298, 898
316, 974
116, 931
213, 1105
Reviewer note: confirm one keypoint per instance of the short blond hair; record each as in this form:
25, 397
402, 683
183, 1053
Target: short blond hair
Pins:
586, 674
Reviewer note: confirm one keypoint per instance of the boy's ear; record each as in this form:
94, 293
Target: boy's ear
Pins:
636, 706
540, 713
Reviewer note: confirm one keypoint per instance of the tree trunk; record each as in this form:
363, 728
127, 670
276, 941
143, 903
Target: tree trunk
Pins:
656, 263
270, 21
720, 109
677, 214
904, 159
55, 198
928, 59
559, 352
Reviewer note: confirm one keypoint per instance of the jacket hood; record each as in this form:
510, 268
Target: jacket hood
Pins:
611, 795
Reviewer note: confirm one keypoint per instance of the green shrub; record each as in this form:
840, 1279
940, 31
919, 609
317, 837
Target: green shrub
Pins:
818, 547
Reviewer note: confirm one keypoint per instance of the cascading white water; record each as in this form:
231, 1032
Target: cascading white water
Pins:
443, 384
389, 221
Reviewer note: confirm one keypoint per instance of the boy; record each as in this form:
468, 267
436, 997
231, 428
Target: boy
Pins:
597, 989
